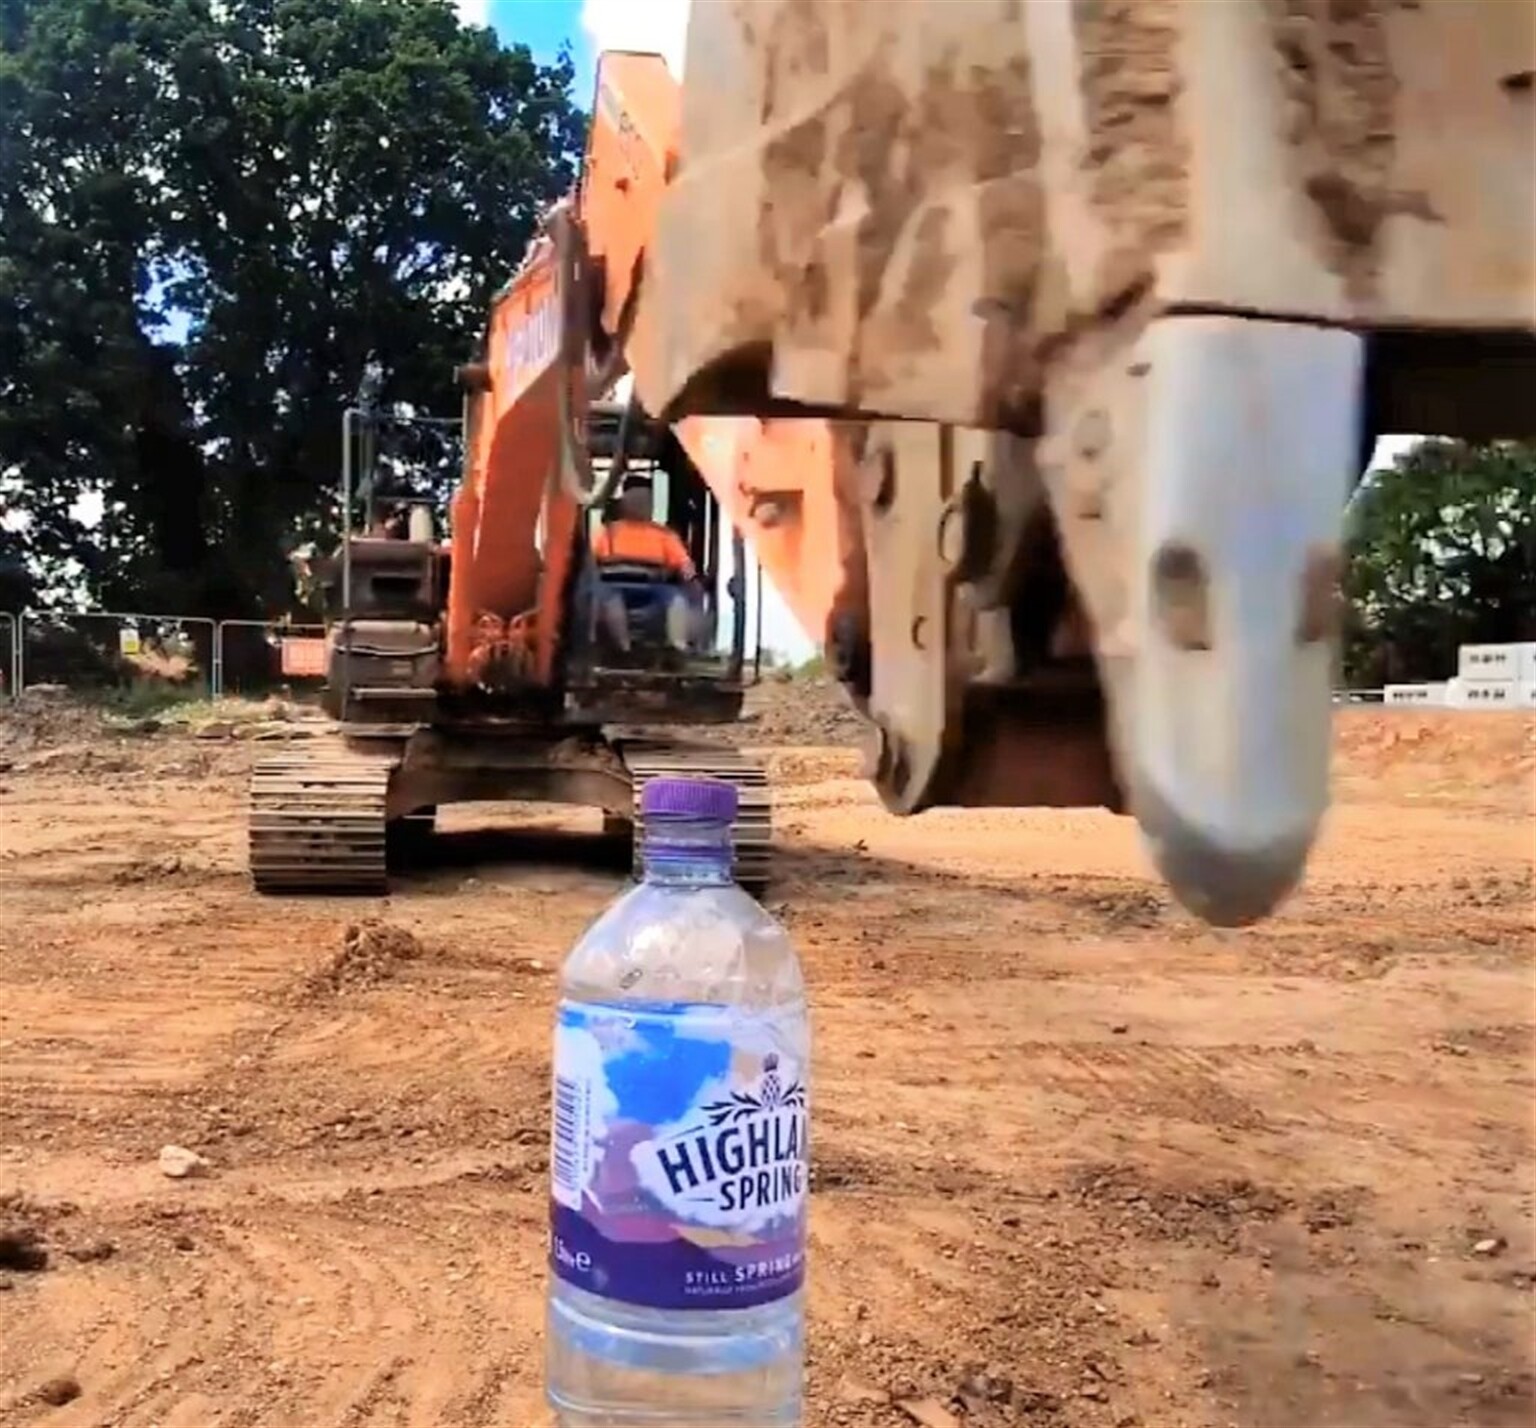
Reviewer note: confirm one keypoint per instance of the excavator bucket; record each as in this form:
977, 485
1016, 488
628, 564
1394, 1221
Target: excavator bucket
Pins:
933, 203
1142, 264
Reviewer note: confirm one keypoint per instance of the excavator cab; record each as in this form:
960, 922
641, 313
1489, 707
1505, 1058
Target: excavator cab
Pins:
660, 628
643, 597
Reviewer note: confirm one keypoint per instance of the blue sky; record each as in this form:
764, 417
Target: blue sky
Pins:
542, 25
586, 26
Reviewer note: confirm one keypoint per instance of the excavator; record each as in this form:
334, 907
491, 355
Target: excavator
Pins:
1033, 346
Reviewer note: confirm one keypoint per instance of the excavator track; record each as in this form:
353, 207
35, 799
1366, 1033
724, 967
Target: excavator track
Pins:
753, 829
318, 821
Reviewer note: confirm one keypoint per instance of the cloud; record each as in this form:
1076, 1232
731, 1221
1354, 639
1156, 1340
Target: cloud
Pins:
659, 26
474, 12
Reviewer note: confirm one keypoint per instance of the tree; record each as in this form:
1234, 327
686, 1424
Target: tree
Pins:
1441, 552
74, 216
211, 217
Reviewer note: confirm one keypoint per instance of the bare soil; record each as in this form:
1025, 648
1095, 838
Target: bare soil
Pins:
1080, 1162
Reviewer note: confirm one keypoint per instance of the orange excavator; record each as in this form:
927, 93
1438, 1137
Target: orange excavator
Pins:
1034, 348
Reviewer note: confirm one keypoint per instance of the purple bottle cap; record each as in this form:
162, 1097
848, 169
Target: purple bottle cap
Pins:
710, 800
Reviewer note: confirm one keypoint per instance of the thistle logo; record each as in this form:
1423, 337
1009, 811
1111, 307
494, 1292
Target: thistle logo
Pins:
739, 1161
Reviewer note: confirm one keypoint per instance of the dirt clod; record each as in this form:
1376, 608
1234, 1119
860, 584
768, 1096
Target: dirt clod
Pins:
986, 1387
928, 1413
178, 1163
371, 953
856, 1391
56, 1392
22, 1250
93, 1252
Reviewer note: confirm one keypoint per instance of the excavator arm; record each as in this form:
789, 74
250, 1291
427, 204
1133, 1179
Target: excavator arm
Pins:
560, 334
1034, 343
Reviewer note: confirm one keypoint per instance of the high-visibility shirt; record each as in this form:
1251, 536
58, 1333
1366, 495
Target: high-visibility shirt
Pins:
642, 543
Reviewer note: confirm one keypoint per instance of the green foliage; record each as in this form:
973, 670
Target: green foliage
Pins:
211, 217
147, 699
1441, 552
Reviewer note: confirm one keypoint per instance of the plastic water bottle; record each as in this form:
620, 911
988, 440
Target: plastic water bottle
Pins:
679, 1158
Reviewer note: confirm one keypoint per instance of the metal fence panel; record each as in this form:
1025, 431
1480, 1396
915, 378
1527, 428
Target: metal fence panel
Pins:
253, 657
115, 650
10, 666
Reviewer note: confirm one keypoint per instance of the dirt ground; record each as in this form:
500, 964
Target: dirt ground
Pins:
1079, 1162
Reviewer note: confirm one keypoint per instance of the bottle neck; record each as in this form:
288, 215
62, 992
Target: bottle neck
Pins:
686, 852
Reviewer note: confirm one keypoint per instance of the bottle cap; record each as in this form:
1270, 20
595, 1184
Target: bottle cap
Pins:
710, 800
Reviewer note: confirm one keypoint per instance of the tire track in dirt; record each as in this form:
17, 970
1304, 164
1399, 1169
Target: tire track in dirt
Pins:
311, 1260
378, 1152
159, 1316
1035, 1323
98, 1026
153, 1035
486, 1043
319, 1314
417, 1290
1177, 1083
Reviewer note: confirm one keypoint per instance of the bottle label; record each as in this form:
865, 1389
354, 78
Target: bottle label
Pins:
680, 1156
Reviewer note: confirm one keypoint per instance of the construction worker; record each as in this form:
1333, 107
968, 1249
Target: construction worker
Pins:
633, 541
